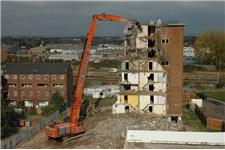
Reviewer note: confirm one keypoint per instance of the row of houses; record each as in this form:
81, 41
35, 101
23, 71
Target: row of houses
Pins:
36, 83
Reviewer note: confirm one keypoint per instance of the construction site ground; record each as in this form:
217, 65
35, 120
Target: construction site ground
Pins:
104, 129
107, 130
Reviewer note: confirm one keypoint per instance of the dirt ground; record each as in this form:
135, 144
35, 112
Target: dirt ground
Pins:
105, 130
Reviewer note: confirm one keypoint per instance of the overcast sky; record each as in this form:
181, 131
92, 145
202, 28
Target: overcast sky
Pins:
55, 18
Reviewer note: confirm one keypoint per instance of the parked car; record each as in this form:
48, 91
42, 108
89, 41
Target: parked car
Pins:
202, 95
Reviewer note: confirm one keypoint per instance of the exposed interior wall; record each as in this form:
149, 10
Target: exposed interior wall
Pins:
140, 41
131, 100
154, 69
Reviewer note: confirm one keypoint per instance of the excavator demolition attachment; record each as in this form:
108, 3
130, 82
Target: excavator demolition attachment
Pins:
73, 127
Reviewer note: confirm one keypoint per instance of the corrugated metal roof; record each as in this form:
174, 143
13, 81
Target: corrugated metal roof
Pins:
53, 68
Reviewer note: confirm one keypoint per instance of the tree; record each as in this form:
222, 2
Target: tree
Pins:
9, 119
57, 100
210, 48
56, 103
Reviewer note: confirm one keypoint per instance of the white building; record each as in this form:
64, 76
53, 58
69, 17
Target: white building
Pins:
189, 52
102, 91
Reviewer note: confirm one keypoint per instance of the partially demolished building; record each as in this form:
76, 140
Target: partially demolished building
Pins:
152, 70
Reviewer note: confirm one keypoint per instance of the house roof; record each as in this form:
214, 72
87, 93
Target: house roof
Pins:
51, 68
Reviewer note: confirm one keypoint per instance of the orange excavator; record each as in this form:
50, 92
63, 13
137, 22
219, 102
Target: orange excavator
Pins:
74, 127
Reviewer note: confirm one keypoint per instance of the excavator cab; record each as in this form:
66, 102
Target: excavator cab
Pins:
55, 131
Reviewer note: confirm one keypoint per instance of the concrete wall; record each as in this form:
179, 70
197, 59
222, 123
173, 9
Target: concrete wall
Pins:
132, 100
159, 105
141, 42
155, 66
132, 78
176, 137
159, 109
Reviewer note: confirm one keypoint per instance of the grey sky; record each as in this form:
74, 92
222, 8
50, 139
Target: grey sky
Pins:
55, 18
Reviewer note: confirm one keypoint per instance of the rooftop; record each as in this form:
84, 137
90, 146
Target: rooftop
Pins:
51, 68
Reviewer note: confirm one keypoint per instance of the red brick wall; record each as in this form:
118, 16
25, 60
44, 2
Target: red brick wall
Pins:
216, 124
210, 123
37, 97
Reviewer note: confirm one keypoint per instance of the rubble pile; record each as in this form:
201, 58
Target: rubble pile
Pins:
110, 132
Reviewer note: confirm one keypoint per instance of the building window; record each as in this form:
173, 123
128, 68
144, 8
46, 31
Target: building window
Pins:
125, 76
127, 65
151, 43
150, 65
62, 76
125, 99
152, 99
151, 87
12, 102
165, 63
42, 85
165, 40
37, 77
12, 85
43, 103
26, 85
53, 76
150, 108
14, 76
30, 76
58, 85
46, 77
22, 77
28, 103
151, 53
151, 77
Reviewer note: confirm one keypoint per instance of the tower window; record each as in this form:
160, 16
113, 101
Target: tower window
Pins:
152, 99
151, 43
150, 66
151, 53
125, 76
125, 98
127, 65
151, 87
150, 108
151, 77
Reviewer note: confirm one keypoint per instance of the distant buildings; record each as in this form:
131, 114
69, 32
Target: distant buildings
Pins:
35, 83
102, 91
189, 51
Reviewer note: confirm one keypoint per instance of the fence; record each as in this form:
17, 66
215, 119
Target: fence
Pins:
12, 141
209, 122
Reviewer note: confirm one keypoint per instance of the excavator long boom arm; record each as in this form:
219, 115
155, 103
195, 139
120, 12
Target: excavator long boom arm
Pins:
75, 110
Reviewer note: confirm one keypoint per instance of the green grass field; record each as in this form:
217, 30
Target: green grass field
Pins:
191, 120
215, 93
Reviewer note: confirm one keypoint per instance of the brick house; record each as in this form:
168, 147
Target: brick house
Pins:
35, 83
